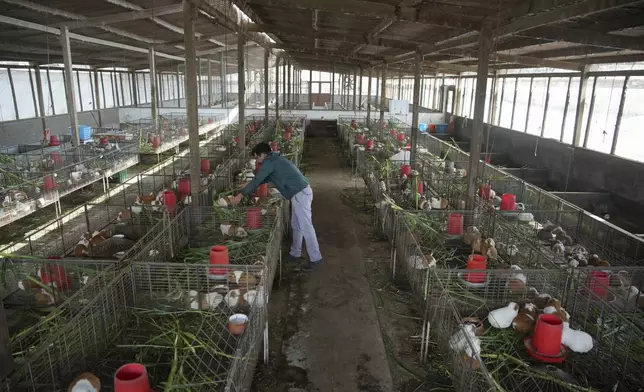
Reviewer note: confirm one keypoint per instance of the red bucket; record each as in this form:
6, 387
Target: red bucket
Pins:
183, 187
262, 191
132, 377
405, 170
236, 139
218, 256
455, 224
508, 202
169, 200
103, 141
432, 128
48, 183
254, 218
360, 139
400, 137
370, 144
58, 160
476, 262
275, 146
393, 132
53, 141
547, 335
420, 187
205, 166
288, 135
598, 282
156, 141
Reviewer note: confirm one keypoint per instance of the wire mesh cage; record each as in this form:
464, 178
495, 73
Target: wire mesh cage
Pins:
196, 331
41, 295
479, 328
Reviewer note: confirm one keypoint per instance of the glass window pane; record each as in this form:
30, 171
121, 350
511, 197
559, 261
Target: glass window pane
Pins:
521, 104
58, 90
86, 90
505, 120
7, 111
537, 105
107, 89
24, 99
607, 95
554, 117
499, 95
631, 137
569, 127
488, 97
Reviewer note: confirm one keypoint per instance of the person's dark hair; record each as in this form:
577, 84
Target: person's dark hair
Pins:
261, 148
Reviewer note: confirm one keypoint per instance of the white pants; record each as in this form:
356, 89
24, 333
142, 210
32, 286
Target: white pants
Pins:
303, 225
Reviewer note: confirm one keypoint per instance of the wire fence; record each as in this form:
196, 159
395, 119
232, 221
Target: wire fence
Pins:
170, 314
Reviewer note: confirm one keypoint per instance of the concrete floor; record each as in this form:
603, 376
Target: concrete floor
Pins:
332, 340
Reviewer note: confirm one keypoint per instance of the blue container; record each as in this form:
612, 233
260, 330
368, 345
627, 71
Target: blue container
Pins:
84, 132
422, 127
441, 128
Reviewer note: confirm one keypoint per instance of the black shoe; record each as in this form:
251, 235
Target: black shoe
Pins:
312, 265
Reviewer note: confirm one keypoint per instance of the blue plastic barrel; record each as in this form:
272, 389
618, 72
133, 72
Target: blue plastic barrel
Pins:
441, 128
422, 127
84, 132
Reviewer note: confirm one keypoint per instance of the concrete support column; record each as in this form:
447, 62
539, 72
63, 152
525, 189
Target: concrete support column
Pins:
284, 84
360, 91
189, 16
399, 84
369, 98
288, 84
266, 54
135, 90
415, 108
97, 98
222, 75
332, 87
355, 86
485, 47
41, 97
277, 88
153, 87
179, 88
310, 89
383, 94
69, 85
209, 100
581, 107
241, 90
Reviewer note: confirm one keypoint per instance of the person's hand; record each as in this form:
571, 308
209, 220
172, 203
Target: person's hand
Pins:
243, 185
237, 199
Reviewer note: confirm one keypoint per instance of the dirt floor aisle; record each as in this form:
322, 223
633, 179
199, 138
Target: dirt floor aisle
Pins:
332, 340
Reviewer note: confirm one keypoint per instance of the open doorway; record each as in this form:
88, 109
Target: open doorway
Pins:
320, 94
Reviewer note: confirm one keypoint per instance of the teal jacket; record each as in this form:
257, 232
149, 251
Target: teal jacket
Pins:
281, 172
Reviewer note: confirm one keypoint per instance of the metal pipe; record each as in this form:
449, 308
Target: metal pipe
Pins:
241, 91
565, 113
369, 98
189, 16
591, 107
514, 101
415, 108
620, 112
527, 116
153, 88
41, 98
266, 54
545, 108
69, 83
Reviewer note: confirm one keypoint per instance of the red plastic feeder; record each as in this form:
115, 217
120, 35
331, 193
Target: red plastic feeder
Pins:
545, 344
183, 186
370, 144
275, 146
53, 141
419, 186
405, 170
103, 141
55, 275
48, 183
156, 141
455, 224
488, 158
170, 200
218, 256
393, 132
360, 139
476, 262
432, 128
254, 218
484, 191
236, 139
262, 191
400, 137
508, 202
132, 377
288, 135
598, 282
205, 166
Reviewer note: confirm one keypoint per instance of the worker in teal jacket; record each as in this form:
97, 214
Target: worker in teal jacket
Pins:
293, 186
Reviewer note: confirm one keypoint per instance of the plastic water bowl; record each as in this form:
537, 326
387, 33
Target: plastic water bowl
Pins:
422, 127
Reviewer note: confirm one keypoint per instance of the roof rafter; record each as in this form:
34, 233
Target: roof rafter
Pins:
587, 37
